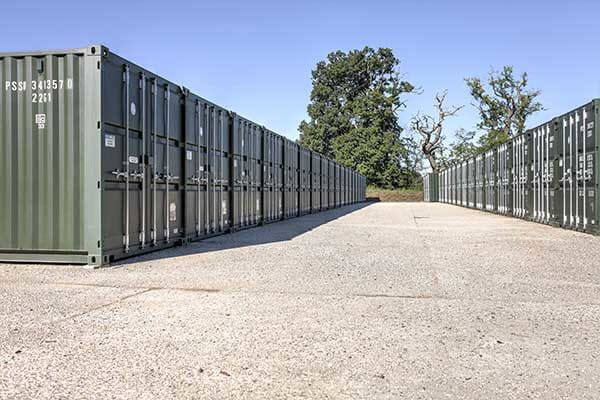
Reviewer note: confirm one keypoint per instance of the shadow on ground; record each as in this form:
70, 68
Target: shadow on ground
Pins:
279, 231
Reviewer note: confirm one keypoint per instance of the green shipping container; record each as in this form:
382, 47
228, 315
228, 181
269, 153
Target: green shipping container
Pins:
101, 159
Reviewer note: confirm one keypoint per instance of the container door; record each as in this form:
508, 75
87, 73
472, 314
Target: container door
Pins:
196, 225
585, 144
566, 181
123, 164
537, 174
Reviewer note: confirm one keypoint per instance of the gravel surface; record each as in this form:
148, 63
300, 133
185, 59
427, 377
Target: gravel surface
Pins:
378, 301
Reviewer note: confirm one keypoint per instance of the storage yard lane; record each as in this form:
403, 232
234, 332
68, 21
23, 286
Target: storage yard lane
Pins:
413, 300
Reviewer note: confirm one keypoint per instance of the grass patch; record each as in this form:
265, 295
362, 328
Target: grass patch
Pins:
395, 195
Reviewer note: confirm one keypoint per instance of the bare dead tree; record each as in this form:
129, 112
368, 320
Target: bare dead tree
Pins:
430, 129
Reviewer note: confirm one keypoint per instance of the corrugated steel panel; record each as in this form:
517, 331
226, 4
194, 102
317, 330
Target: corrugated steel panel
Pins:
490, 160
157, 166
547, 174
577, 165
48, 173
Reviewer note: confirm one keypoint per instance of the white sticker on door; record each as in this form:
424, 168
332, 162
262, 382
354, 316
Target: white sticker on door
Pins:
109, 140
189, 155
172, 212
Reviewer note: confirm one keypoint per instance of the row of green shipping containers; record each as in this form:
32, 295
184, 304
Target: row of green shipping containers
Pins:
547, 174
101, 159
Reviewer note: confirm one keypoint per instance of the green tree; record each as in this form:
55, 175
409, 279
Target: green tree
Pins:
504, 106
353, 110
464, 146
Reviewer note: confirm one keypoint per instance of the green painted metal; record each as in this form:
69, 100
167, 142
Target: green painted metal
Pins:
48, 169
547, 174
101, 159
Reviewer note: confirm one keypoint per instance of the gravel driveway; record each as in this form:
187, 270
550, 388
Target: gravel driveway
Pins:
377, 301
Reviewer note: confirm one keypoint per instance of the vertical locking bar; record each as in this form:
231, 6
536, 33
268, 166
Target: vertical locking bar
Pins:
519, 168
245, 130
564, 170
168, 167
548, 175
525, 174
214, 165
541, 202
584, 170
544, 156
251, 177
221, 169
536, 191
576, 132
126, 117
154, 159
520, 174
198, 171
143, 161
540, 173
205, 123
242, 132
545, 171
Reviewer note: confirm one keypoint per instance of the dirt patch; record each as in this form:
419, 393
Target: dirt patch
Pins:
394, 195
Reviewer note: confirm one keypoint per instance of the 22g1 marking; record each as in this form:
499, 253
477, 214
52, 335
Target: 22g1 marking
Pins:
41, 98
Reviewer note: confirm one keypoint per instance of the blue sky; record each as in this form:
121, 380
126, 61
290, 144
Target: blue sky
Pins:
256, 57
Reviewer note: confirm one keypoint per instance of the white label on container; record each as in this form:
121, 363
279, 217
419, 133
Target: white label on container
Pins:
172, 212
40, 120
133, 160
189, 155
202, 168
109, 140
41, 91
133, 109
201, 131
176, 230
235, 163
224, 207
257, 205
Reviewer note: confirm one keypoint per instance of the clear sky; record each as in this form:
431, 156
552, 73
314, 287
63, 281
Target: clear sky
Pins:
255, 57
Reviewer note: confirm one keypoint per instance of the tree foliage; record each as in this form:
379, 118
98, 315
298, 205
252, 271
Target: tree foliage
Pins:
462, 147
353, 110
504, 106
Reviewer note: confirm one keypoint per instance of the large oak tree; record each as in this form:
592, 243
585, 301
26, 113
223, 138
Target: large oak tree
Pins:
504, 105
353, 110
